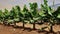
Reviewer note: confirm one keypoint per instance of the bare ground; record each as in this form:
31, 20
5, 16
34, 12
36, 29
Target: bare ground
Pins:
10, 30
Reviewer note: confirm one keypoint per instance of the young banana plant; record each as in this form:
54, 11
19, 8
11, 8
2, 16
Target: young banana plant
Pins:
25, 15
12, 16
1, 16
47, 12
34, 14
57, 15
6, 16
17, 10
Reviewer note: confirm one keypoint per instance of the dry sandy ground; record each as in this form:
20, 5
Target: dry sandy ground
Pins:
56, 28
11, 30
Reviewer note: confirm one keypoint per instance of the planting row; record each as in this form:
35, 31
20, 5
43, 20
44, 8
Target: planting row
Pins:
32, 16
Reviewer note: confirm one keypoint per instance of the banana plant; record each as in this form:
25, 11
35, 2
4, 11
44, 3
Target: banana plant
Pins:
34, 14
17, 12
1, 16
12, 16
16, 16
25, 15
57, 15
42, 13
6, 16
48, 14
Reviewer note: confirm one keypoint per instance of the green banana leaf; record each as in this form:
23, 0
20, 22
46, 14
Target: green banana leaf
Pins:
16, 19
41, 13
36, 18
58, 16
10, 21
